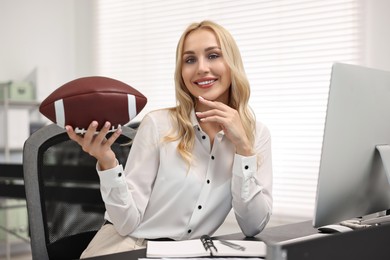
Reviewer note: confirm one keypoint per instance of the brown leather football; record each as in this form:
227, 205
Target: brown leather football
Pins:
80, 101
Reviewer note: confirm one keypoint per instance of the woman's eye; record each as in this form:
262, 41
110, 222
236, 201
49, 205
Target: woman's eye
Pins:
213, 56
189, 60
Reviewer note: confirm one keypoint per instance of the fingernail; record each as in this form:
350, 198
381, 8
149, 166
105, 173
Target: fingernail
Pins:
201, 98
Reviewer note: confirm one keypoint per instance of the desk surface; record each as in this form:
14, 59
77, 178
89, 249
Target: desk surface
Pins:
272, 234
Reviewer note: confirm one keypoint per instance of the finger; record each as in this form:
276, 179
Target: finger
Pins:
100, 137
72, 134
90, 131
212, 112
114, 136
215, 119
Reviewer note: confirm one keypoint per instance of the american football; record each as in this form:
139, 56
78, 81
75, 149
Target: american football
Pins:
80, 101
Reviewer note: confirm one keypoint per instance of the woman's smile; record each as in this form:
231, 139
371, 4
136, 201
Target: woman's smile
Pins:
205, 83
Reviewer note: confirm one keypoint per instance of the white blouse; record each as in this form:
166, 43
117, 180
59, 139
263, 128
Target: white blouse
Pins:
157, 196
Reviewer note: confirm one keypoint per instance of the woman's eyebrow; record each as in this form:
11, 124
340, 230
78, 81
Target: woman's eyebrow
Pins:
212, 48
188, 52
206, 50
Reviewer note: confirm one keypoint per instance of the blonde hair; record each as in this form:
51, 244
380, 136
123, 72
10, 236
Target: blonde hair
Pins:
239, 90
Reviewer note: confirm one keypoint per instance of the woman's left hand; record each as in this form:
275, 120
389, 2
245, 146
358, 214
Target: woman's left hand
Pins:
230, 122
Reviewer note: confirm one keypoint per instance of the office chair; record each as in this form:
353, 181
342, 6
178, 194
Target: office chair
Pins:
64, 204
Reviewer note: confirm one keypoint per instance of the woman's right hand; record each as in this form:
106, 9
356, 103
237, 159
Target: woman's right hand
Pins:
97, 145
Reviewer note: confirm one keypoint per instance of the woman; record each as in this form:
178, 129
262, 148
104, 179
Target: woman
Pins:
191, 164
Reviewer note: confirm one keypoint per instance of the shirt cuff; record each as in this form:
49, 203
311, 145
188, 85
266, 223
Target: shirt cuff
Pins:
111, 178
244, 166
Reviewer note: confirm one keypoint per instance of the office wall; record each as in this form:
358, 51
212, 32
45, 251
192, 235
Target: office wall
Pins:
377, 38
38, 34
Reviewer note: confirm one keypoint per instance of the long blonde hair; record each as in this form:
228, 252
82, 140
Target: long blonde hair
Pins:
239, 90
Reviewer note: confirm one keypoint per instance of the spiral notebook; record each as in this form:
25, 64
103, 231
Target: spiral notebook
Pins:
205, 246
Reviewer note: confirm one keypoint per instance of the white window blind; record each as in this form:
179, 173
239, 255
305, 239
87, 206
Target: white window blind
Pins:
288, 48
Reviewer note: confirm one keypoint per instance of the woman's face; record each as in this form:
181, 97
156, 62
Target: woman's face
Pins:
204, 70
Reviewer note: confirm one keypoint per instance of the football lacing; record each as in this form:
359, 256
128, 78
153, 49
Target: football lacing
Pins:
82, 131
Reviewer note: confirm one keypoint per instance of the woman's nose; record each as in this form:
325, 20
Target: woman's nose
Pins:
203, 66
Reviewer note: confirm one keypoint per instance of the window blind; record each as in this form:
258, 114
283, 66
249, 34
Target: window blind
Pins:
288, 48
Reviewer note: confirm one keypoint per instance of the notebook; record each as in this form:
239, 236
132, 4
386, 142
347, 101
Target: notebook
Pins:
205, 246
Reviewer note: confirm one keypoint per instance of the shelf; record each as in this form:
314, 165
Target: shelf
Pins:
21, 103
16, 108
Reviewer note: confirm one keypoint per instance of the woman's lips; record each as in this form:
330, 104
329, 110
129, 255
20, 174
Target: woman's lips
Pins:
205, 83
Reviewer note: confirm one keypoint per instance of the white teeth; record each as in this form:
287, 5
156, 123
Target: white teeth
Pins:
205, 82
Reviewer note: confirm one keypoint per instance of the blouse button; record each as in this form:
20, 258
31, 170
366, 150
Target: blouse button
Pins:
246, 167
212, 157
189, 231
203, 137
208, 181
119, 174
199, 207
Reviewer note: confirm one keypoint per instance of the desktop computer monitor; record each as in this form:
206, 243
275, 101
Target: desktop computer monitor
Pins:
353, 181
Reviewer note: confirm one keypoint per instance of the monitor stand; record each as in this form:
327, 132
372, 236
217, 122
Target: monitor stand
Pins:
384, 152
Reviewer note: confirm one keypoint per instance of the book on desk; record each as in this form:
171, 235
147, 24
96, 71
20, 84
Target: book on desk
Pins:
205, 246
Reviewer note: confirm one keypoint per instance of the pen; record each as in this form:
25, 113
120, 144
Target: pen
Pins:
232, 245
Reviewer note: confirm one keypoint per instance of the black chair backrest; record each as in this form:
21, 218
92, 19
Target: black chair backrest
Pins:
64, 203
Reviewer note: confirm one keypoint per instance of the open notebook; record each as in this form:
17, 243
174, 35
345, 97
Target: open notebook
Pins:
205, 247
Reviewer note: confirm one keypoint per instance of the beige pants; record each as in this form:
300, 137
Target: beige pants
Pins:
108, 241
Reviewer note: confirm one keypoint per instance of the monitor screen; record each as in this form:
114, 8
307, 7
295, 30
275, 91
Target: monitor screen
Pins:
352, 179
